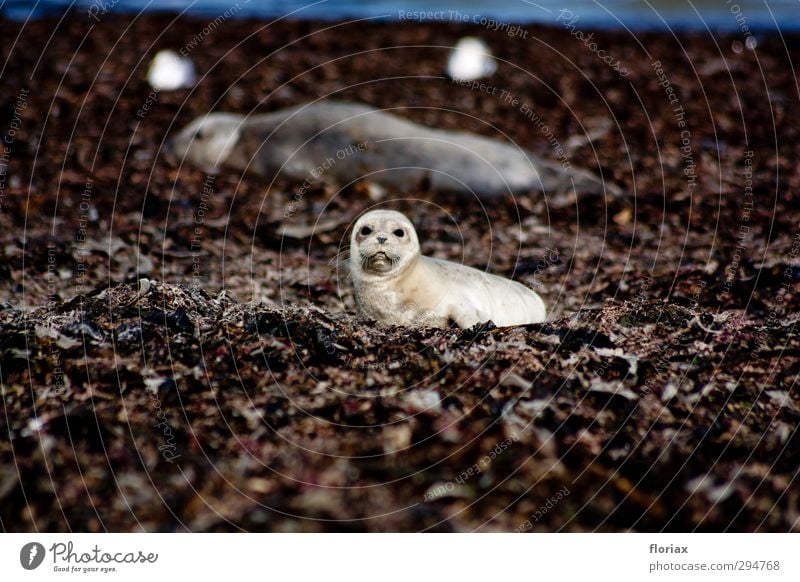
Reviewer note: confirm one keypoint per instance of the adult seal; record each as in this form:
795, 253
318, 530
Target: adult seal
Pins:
396, 285
345, 142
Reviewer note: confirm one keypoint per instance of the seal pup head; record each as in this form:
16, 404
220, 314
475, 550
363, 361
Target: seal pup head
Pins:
383, 244
208, 141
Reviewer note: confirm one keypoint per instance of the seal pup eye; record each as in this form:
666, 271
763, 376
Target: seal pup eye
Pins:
399, 233
365, 231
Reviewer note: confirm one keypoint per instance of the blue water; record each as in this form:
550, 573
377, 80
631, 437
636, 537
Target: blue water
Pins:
730, 15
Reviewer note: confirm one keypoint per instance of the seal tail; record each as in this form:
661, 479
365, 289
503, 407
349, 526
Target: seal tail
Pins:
556, 178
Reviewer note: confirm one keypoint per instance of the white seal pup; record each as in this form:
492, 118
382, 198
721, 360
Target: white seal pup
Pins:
396, 285
345, 142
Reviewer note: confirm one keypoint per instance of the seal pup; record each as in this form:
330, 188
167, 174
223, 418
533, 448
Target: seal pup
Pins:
396, 285
345, 142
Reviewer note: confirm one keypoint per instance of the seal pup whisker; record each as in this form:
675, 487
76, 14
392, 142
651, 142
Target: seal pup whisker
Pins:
341, 259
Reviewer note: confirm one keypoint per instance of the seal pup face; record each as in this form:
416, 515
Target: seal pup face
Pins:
384, 243
208, 141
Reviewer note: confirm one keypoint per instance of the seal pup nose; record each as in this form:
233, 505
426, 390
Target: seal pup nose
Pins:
382, 239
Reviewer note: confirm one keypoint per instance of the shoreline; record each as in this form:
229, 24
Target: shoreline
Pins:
732, 17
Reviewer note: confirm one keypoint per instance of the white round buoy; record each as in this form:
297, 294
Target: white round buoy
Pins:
169, 71
470, 60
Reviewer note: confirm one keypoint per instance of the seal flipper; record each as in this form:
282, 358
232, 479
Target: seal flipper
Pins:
558, 179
